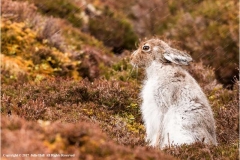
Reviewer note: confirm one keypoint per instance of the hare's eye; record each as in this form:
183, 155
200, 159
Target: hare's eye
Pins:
146, 48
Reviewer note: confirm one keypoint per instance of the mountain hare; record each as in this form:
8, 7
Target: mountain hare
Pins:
175, 110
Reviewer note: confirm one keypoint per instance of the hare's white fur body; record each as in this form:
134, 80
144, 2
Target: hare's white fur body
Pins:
175, 110
166, 118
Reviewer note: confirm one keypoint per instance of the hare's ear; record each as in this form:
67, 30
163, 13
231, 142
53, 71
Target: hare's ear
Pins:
176, 56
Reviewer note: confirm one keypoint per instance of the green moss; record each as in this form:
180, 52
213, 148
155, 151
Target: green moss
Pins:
30, 57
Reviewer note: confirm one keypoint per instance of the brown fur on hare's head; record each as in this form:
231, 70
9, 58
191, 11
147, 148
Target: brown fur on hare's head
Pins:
157, 50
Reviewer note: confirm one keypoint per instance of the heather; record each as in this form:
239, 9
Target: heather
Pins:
67, 85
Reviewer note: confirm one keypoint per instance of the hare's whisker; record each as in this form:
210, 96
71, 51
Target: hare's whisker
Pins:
135, 67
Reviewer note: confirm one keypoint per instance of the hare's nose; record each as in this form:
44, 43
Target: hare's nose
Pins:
135, 52
132, 55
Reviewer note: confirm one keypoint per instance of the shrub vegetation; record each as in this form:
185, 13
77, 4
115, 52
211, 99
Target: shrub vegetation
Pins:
63, 90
